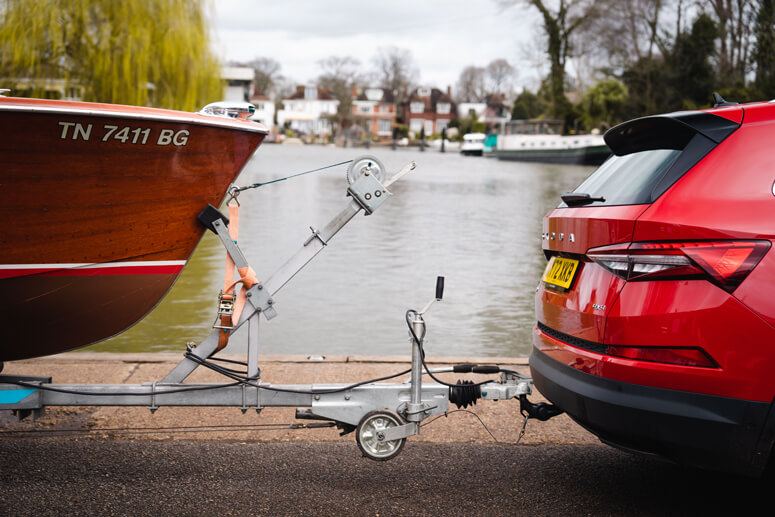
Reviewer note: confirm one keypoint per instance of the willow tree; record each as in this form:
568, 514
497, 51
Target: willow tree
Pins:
140, 52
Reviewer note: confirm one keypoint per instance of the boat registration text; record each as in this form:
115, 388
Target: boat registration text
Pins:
124, 134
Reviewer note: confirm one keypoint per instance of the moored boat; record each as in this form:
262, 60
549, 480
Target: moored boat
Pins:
543, 141
473, 144
99, 205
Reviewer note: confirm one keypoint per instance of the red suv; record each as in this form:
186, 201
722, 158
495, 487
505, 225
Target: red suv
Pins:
656, 311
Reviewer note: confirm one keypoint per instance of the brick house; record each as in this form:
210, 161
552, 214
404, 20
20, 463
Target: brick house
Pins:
429, 109
375, 109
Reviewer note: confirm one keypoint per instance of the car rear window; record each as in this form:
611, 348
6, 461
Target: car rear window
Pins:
650, 155
628, 180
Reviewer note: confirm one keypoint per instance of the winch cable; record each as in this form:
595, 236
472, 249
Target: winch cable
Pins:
237, 190
230, 302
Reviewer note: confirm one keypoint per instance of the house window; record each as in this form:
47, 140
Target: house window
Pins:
428, 127
441, 124
424, 92
364, 108
310, 92
442, 108
383, 125
259, 106
417, 107
415, 125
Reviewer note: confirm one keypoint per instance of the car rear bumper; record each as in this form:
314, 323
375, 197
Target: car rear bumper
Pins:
696, 429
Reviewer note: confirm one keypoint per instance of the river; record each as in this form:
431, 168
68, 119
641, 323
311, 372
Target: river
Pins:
476, 221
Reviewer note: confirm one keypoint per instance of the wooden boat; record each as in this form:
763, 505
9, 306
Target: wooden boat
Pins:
98, 205
543, 141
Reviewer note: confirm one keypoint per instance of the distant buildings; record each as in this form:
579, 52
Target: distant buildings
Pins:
264, 109
237, 83
309, 110
375, 110
429, 110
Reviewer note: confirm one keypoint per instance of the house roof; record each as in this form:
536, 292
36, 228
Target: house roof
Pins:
258, 95
435, 97
495, 100
324, 94
363, 95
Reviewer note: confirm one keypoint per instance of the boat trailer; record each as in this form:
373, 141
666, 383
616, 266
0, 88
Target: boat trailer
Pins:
382, 415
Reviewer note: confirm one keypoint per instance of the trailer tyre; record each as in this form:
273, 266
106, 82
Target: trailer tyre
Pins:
367, 435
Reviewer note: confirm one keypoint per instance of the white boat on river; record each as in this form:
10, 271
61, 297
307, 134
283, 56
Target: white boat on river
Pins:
543, 141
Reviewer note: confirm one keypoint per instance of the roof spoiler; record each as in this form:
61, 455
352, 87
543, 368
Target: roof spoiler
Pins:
669, 131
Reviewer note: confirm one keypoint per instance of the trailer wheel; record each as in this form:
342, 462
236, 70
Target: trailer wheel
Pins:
367, 435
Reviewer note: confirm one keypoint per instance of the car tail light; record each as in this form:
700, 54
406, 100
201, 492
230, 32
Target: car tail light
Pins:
681, 356
725, 263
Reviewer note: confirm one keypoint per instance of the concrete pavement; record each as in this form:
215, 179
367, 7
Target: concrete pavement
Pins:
502, 418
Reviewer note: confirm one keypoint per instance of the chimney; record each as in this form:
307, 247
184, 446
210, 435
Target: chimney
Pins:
449, 91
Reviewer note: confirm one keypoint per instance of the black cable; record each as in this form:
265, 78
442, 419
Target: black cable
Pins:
429, 422
419, 341
251, 382
114, 394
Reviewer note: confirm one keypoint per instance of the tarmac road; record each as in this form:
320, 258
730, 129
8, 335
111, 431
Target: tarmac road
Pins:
465, 464
151, 478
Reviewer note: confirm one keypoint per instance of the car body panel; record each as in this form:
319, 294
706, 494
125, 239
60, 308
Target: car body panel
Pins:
720, 415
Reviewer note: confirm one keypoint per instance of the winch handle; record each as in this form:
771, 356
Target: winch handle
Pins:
439, 288
408, 167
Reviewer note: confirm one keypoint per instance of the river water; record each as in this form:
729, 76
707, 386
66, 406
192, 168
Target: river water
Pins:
476, 221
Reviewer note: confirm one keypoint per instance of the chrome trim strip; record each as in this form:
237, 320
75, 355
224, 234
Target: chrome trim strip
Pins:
221, 122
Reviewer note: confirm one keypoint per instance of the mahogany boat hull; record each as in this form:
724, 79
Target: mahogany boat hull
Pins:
99, 207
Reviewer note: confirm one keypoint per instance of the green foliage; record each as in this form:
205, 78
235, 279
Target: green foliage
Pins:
693, 75
764, 51
603, 104
139, 52
683, 78
527, 105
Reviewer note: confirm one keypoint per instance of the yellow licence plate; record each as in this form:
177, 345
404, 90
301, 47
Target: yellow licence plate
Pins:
560, 272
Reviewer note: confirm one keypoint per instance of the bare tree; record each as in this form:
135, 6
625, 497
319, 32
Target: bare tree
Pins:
395, 70
734, 19
267, 74
471, 84
500, 74
629, 32
562, 19
339, 75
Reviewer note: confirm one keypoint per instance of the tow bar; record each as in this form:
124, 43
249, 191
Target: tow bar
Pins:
382, 415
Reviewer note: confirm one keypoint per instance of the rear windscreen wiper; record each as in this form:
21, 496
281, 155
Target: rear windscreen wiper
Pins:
579, 198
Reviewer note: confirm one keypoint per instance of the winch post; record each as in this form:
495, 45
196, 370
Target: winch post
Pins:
260, 296
414, 409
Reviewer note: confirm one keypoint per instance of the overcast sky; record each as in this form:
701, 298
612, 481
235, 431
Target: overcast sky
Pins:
444, 36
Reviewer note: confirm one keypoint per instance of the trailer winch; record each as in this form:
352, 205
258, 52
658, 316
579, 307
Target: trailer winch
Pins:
382, 415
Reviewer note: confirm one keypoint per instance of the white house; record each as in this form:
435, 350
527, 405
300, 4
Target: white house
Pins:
264, 109
309, 110
238, 83
464, 109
